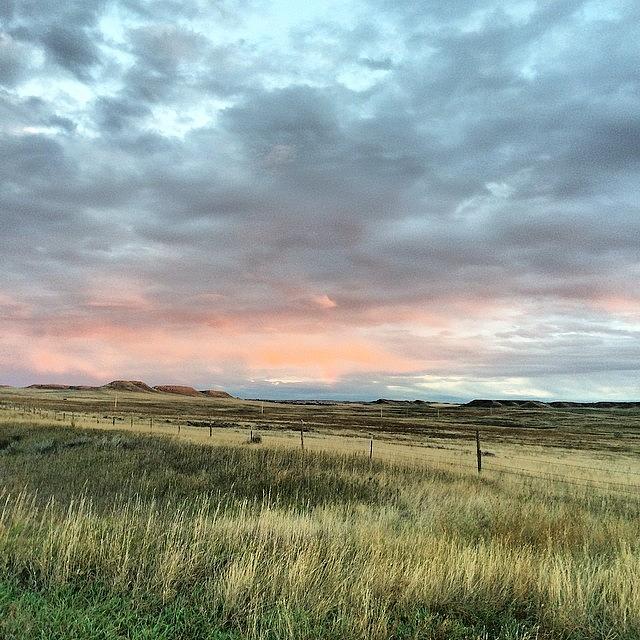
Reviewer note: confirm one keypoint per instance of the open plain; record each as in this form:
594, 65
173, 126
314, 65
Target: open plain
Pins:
169, 516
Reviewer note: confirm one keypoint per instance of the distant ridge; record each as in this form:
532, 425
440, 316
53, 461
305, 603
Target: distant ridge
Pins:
537, 404
64, 387
191, 392
388, 401
135, 386
48, 386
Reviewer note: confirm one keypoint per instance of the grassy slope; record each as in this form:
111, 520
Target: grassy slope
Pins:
117, 535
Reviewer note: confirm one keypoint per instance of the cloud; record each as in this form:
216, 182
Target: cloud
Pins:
324, 301
452, 191
118, 114
66, 32
13, 60
71, 48
383, 64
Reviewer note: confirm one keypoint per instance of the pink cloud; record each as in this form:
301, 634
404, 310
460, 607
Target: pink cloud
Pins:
619, 305
324, 301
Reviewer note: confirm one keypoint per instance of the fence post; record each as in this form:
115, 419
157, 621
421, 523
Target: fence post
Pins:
151, 423
370, 448
113, 421
209, 429
478, 451
301, 439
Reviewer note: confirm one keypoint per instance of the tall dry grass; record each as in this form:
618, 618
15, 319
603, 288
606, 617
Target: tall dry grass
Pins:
519, 559
352, 569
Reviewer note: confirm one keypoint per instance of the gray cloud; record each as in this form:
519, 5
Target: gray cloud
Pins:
382, 64
65, 31
71, 48
13, 62
117, 114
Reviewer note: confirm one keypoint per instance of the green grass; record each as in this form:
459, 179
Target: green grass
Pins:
94, 613
117, 535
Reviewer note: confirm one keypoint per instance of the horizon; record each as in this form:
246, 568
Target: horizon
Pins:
342, 200
301, 396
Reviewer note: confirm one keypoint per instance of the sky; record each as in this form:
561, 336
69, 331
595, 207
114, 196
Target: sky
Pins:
356, 199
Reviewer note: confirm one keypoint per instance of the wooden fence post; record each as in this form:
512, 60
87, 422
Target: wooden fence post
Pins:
478, 451
301, 439
113, 421
371, 449
209, 429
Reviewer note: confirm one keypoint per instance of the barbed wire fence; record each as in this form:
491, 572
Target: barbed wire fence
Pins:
474, 460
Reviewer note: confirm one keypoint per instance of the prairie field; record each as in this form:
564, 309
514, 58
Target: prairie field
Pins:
157, 518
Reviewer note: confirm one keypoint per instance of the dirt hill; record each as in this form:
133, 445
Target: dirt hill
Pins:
177, 389
483, 403
128, 385
215, 393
